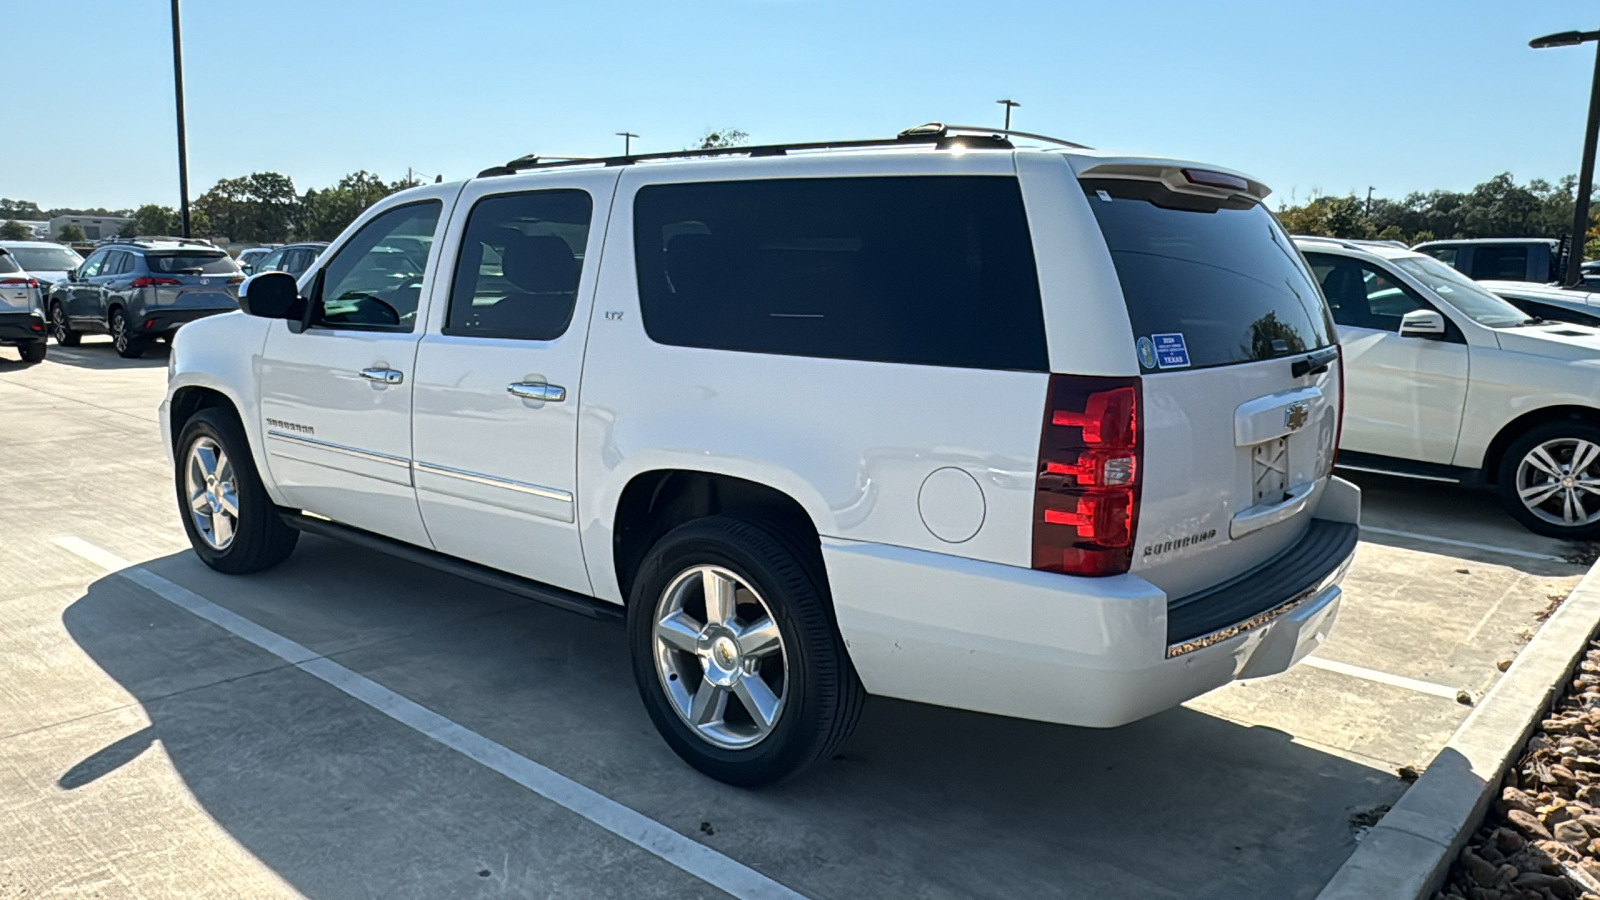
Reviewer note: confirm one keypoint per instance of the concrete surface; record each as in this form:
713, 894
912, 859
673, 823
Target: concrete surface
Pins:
145, 752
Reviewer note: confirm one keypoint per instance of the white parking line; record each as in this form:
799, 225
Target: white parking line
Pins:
1472, 545
697, 859
1400, 681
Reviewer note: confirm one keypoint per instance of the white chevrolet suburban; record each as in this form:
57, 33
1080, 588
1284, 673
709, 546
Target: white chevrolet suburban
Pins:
1448, 382
1033, 431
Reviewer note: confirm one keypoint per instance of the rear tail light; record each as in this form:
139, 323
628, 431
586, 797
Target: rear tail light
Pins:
147, 281
237, 279
1086, 496
18, 282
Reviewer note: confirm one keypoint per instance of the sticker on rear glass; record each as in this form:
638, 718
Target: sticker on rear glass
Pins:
1147, 353
1104, 197
1171, 352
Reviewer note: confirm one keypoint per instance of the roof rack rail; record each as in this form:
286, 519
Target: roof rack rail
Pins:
936, 133
166, 238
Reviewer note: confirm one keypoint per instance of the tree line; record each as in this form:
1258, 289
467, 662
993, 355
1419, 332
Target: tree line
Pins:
1499, 207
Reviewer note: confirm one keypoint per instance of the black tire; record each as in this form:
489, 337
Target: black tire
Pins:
128, 346
1560, 440
823, 695
261, 540
32, 352
60, 330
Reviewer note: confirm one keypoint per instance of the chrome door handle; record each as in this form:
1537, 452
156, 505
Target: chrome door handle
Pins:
537, 390
383, 376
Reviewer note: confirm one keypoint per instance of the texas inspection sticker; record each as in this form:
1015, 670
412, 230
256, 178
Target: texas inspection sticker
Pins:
1147, 353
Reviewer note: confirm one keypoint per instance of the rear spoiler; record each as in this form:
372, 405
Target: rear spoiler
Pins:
1177, 175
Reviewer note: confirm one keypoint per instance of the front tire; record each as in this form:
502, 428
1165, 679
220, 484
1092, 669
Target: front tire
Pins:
736, 654
1549, 480
232, 524
60, 330
128, 346
32, 352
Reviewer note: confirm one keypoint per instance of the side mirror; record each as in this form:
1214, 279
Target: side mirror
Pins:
271, 295
1422, 323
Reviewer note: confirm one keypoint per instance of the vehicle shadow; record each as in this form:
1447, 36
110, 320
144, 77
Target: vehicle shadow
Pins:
96, 353
341, 801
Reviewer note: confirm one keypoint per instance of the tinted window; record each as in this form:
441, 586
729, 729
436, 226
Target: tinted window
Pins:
1220, 273
1446, 255
1460, 291
270, 262
1363, 296
218, 263
929, 270
8, 265
375, 280
47, 259
517, 275
1553, 313
1499, 263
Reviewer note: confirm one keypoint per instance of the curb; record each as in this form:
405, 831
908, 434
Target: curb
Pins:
1407, 855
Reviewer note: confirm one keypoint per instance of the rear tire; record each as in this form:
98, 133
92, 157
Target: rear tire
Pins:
128, 346
60, 330
32, 352
253, 536
1549, 480
775, 646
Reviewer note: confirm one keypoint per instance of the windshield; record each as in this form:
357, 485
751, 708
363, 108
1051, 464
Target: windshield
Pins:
46, 259
188, 263
1461, 292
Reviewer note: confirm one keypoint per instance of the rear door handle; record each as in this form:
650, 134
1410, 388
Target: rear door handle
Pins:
537, 390
383, 376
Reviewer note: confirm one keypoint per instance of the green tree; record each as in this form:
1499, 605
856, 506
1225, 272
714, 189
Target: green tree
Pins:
13, 230
325, 213
152, 218
720, 138
70, 234
25, 210
262, 206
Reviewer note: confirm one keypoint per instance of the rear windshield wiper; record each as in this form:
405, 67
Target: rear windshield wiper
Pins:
1314, 363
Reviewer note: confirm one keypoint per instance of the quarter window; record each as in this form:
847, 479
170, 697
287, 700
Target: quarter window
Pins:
374, 282
517, 273
927, 270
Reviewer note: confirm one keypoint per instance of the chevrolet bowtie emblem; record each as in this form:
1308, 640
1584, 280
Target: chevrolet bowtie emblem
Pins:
1294, 418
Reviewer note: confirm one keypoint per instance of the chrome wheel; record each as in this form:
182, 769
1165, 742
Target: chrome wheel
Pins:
1559, 482
213, 497
720, 657
119, 331
58, 323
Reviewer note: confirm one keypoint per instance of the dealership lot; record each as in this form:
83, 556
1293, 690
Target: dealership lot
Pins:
148, 751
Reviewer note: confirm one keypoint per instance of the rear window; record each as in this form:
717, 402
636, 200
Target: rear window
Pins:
1491, 263
1207, 282
192, 263
8, 265
925, 270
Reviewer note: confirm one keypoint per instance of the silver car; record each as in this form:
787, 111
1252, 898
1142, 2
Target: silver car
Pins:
21, 310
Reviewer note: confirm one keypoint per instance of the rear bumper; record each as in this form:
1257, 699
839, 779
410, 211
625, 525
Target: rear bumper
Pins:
156, 319
1093, 652
22, 326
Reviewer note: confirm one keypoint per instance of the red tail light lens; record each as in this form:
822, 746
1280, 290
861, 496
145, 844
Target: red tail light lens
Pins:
18, 282
237, 279
1086, 497
147, 281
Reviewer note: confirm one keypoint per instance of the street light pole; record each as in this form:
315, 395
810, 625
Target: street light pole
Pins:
627, 142
183, 152
1008, 104
1580, 209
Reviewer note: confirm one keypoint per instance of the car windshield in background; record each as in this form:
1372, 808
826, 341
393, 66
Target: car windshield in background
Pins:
192, 263
8, 265
1211, 282
1461, 292
46, 259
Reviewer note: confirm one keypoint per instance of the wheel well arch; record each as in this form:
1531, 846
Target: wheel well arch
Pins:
655, 502
188, 400
1521, 424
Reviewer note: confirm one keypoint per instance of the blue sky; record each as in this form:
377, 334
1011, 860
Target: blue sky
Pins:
1401, 95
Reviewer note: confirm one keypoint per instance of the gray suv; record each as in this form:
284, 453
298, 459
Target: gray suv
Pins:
141, 289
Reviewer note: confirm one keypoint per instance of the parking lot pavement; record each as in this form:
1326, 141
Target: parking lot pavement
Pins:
147, 749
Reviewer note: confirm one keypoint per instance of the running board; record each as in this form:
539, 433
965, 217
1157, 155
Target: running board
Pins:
511, 584
1408, 468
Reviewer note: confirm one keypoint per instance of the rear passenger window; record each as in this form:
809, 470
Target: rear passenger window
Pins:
517, 274
925, 270
1499, 263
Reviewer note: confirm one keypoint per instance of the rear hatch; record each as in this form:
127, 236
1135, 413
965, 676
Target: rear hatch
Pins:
193, 279
1239, 382
19, 292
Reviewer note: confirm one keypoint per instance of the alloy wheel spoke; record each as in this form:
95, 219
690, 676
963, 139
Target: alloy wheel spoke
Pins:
1539, 493
759, 639
758, 700
680, 631
1541, 459
200, 502
719, 593
227, 500
1583, 456
1577, 505
709, 705
206, 459
221, 528
1567, 511
1591, 485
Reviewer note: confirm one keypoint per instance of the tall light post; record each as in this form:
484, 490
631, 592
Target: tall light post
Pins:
183, 152
627, 142
1008, 104
1580, 212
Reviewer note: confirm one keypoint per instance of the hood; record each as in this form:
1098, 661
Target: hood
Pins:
1557, 340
